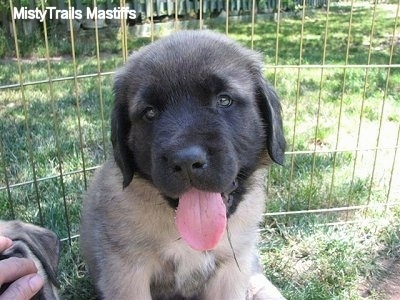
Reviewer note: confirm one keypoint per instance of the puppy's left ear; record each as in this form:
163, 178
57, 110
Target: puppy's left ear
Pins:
120, 127
270, 110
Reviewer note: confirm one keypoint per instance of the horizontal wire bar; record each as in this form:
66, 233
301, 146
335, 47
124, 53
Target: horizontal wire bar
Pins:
17, 85
287, 153
382, 66
261, 230
331, 210
330, 66
72, 238
339, 223
341, 150
15, 185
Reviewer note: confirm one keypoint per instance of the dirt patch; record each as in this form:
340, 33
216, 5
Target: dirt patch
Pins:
386, 283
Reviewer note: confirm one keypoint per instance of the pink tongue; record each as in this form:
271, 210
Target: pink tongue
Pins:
201, 219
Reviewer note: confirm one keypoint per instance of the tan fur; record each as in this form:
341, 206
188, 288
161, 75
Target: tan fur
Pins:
126, 217
123, 218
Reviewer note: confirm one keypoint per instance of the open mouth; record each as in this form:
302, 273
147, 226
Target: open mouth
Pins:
201, 217
227, 195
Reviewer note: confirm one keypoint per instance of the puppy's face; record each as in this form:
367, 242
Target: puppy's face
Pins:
193, 111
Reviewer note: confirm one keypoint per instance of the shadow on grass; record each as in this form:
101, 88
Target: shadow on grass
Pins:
315, 25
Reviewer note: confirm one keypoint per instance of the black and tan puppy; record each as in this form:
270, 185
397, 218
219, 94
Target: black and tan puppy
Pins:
38, 244
174, 213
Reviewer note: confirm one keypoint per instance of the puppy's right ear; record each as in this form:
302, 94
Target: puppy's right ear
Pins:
120, 128
270, 110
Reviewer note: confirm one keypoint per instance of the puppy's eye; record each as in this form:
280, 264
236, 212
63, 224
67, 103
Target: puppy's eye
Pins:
149, 113
224, 101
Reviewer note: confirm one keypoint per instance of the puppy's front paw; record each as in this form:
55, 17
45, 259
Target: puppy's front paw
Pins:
260, 288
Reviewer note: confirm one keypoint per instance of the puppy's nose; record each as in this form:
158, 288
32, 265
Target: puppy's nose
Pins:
190, 159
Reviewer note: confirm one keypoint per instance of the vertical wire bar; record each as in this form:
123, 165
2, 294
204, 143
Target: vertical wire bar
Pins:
253, 12
126, 30
151, 21
227, 17
55, 127
398, 130
253, 19
321, 82
384, 100
176, 15
9, 197
275, 64
77, 102
27, 119
99, 86
364, 96
393, 168
277, 42
339, 123
201, 14
378, 138
124, 34
293, 157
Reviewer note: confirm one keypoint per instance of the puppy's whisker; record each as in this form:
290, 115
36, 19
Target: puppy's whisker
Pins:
228, 233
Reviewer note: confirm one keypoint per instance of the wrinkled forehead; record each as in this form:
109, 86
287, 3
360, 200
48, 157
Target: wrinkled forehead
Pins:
175, 69
173, 86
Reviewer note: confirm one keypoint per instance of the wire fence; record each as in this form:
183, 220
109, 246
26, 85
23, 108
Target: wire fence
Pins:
337, 69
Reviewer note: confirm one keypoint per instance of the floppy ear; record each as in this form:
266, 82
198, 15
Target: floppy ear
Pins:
46, 247
120, 127
270, 110
30, 239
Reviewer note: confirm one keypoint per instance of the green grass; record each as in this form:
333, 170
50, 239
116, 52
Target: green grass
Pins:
306, 260
314, 262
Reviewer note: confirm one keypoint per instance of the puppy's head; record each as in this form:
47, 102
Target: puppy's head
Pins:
193, 111
198, 93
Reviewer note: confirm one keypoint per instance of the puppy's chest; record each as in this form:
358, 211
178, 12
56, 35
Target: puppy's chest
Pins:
183, 273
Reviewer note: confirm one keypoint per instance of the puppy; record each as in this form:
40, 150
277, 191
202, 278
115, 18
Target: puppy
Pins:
38, 244
174, 213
